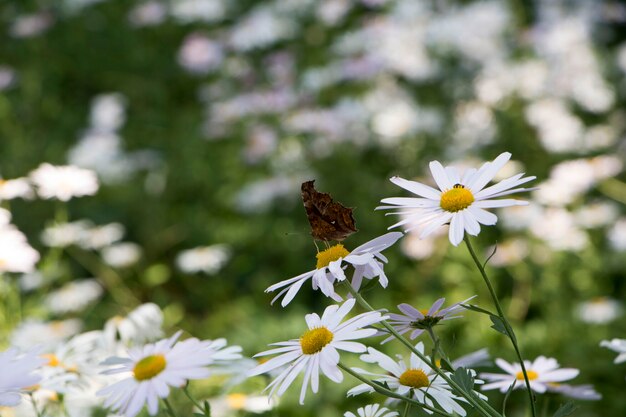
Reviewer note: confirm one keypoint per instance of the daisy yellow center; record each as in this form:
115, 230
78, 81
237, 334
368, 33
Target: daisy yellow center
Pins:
53, 360
531, 375
149, 367
314, 340
456, 199
414, 378
331, 254
236, 401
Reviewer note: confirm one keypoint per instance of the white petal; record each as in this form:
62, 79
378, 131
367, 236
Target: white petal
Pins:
440, 176
456, 229
483, 216
487, 172
417, 188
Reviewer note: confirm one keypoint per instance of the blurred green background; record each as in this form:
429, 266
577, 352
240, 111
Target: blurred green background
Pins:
225, 107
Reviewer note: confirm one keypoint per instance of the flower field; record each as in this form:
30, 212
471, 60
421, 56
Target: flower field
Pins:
370, 208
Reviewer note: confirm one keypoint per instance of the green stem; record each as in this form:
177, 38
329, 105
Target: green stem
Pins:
193, 400
479, 404
382, 390
168, 407
507, 325
436, 345
406, 410
38, 412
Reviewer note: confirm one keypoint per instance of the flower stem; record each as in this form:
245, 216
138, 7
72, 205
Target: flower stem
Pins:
382, 390
406, 410
38, 412
193, 400
169, 408
505, 322
480, 405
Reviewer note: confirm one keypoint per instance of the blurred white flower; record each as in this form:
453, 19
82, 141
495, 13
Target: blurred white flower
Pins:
148, 13
207, 259
558, 129
7, 77
372, 410
27, 26
260, 28
65, 234
199, 54
30, 333
558, 229
15, 188
186, 11
474, 31
63, 182
231, 405
474, 126
97, 237
617, 235
31, 281
73, 297
332, 12
108, 112
121, 255
143, 324
597, 214
16, 255
599, 310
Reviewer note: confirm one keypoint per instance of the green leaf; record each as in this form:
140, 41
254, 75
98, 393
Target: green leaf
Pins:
464, 378
446, 365
477, 309
565, 410
207, 409
498, 324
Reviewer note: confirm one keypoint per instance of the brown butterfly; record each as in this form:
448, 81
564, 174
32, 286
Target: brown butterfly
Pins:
329, 220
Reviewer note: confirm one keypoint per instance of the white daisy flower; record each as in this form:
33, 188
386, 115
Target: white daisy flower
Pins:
317, 348
141, 325
207, 259
73, 296
541, 372
417, 380
16, 188
579, 392
18, 373
151, 369
366, 259
460, 200
418, 321
231, 405
372, 410
16, 255
599, 310
616, 345
64, 182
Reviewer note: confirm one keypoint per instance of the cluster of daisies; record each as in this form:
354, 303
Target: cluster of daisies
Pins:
124, 367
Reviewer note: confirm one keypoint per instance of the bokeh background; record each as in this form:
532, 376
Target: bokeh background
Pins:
203, 117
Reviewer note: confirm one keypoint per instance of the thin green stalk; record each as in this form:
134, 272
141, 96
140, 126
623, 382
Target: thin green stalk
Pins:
169, 408
382, 390
38, 412
507, 325
406, 410
193, 400
479, 404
